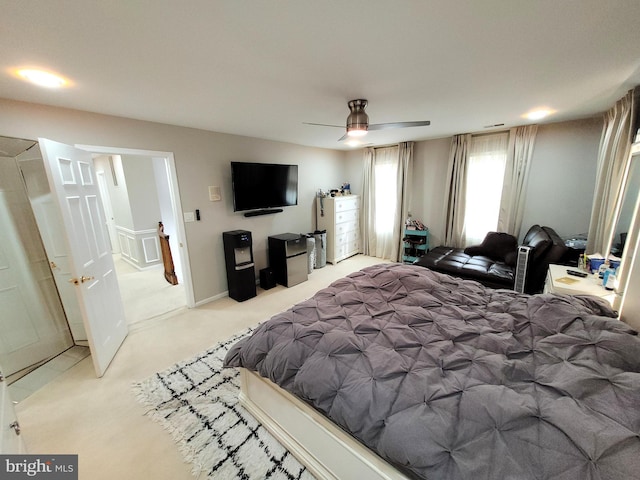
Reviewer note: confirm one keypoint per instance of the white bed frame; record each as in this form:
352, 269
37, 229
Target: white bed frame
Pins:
326, 450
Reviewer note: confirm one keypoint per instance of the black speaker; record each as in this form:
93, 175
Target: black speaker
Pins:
267, 279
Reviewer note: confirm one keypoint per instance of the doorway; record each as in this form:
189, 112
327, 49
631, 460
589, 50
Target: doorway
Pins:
53, 300
166, 181
137, 194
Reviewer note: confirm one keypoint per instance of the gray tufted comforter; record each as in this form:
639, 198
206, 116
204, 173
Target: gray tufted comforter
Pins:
447, 379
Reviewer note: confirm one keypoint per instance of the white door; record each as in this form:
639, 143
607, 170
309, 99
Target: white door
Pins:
49, 222
32, 321
73, 181
108, 212
10, 439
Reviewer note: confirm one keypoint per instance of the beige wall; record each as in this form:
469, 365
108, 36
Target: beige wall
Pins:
202, 158
119, 196
563, 176
429, 181
560, 188
143, 194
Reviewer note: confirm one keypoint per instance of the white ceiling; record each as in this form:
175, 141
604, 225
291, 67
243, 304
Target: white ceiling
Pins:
262, 68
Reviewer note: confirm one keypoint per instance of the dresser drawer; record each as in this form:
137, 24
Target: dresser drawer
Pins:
342, 228
347, 249
346, 203
346, 216
348, 237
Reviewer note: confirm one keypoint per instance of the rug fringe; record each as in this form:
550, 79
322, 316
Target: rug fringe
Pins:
182, 414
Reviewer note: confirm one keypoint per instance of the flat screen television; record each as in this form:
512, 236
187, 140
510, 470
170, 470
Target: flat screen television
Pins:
260, 186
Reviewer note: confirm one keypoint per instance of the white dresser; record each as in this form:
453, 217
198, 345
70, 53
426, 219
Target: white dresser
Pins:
340, 217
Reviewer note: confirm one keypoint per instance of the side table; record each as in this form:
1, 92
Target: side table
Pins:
559, 281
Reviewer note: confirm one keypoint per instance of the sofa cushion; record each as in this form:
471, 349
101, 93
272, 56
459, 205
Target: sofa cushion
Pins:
511, 258
496, 245
456, 262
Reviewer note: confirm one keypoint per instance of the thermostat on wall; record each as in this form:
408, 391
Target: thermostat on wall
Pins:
214, 194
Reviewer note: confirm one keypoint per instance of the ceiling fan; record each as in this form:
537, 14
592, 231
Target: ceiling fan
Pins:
358, 121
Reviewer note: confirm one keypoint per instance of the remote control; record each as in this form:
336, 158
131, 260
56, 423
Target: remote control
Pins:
575, 273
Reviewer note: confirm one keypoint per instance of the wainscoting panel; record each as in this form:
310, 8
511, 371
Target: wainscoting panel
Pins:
132, 248
139, 248
151, 248
124, 244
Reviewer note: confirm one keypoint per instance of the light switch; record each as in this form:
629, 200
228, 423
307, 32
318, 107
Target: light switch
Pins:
189, 217
214, 194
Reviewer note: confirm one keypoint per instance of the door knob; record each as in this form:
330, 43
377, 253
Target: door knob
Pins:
83, 279
16, 427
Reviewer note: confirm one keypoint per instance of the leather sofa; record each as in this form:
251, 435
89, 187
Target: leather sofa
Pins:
493, 262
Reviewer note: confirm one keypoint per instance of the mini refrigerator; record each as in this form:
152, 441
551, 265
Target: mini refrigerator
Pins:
238, 257
288, 258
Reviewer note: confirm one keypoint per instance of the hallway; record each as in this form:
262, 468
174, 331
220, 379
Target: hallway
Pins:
145, 293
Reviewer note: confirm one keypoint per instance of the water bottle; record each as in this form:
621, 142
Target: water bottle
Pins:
611, 280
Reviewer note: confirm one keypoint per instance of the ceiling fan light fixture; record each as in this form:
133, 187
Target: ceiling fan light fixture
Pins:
358, 120
356, 132
358, 123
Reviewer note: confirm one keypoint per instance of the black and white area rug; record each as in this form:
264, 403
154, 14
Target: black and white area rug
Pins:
197, 402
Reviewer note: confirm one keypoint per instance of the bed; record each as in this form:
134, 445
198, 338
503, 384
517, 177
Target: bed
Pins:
428, 376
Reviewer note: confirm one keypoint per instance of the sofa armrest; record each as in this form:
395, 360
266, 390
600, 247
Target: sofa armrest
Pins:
548, 248
538, 240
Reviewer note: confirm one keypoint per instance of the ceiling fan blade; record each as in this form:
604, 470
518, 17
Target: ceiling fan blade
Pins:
323, 125
384, 126
343, 137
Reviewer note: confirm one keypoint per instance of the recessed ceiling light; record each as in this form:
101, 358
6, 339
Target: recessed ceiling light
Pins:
538, 114
42, 78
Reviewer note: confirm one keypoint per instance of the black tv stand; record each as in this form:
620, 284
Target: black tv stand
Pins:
264, 211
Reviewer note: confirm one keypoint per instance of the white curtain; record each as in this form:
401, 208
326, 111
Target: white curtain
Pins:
613, 155
405, 172
455, 195
516, 175
385, 199
367, 217
485, 172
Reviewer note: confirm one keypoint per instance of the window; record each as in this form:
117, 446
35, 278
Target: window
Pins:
485, 174
386, 192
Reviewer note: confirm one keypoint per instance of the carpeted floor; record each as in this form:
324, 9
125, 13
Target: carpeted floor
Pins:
145, 293
99, 419
197, 402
